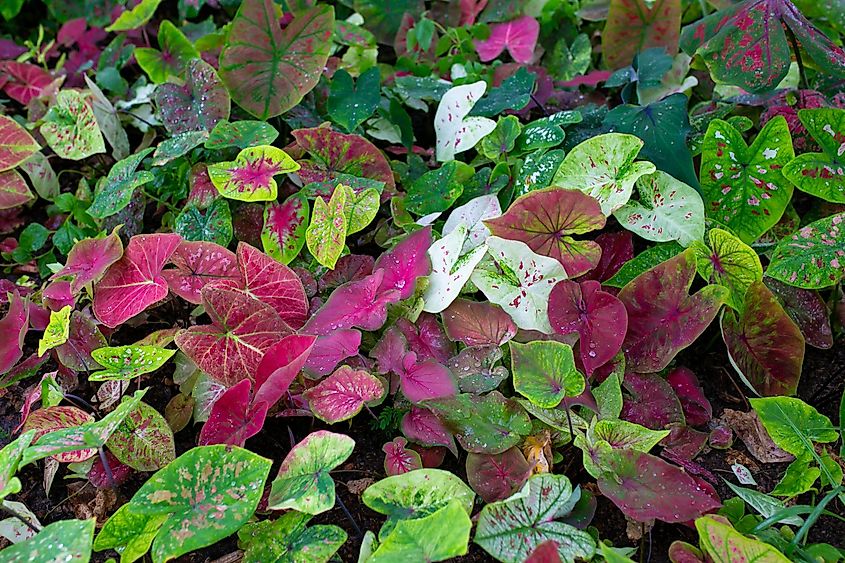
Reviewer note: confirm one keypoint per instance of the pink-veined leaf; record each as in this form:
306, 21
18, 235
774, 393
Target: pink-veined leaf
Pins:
50, 419
250, 177
16, 144
498, 476
12, 332
636, 25
242, 329
24, 81
422, 426
13, 190
406, 262
283, 234
89, 259
198, 105
280, 365
359, 304
545, 220
343, 394
398, 459
143, 441
598, 317
663, 318
199, 264
330, 349
697, 408
134, 282
519, 36
477, 323
427, 379
652, 402
234, 417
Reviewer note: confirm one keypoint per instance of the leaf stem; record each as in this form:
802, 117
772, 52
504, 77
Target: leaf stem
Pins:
802, 73
15, 514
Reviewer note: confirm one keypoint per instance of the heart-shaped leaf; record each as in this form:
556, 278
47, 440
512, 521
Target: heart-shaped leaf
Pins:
697, 408
349, 105
285, 224
405, 262
268, 69
477, 323
13, 190
65, 540
70, 127
436, 190
807, 309
424, 380
361, 304
812, 258
304, 482
135, 17
519, 36
234, 417
128, 362
115, 191
722, 542
449, 270
198, 105
326, 235
280, 365
728, 262
241, 134
455, 131
546, 220
343, 394
496, 477
10, 457
52, 419
636, 25
398, 459
89, 259
250, 176
651, 402
821, 174
446, 534
423, 427
83, 338
315, 544
176, 51
57, 331
198, 264
472, 214
544, 372
134, 282
16, 144
143, 441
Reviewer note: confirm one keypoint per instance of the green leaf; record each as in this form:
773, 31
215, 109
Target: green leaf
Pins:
70, 127
304, 482
143, 441
608, 396
502, 140
439, 536
511, 529
349, 105
57, 331
212, 225
812, 258
764, 504
728, 262
250, 176
241, 134
793, 424
799, 478
128, 362
438, 189
722, 542
172, 59
66, 540
289, 540
326, 235
644, 261
10, 457
136, 17
514, 93
546, 132
544, 372
115, 191
360, 209
821, 174
744, 187
128, 533
566, 62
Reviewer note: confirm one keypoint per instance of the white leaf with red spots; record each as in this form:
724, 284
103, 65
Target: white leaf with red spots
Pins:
454, 130
449, 270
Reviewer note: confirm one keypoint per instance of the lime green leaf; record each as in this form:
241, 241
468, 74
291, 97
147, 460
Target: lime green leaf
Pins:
441, 535
250, 176
129, 533
143, 441
136, 17
360, 209
57, 331
289, 540
723, 543
821, 174
728, 262
127, 362
172, 59
326, 235
70, 127
544, 372
10, 457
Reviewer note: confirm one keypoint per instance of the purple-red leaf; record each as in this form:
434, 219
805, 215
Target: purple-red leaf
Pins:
343, 394
423, 427
12, 332
398, 459
616, 249
636, 25
807, 309
280, 365
83, 338
234, 418
697, 409
361, 304
496, 477
406, 262
351, 267
652, 402
426, 338
478, 323
198, 264
89, 259
329, 350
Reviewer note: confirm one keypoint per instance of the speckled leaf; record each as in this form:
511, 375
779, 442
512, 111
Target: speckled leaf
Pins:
70, 127
198, 105
89, 259
436, 190
722, 542
57, 331
546, 220
326, 234
128, 362
241, 134
136, 17
134, 282
143, 441
663, 318
198, 264
651, 401
728, 262
343, 394
304, 482
821, 174
178, 146
496, 477
398, 459
83, 338
234, 417
511, 529
250, 176
743, 187
455, 131
807, 308
10, 457
544, 372
764, 345
813, 257
66, 540
42, 176
172, 60
268, 69
424, 428
523, 286
360, 208
439, 536
289, 540
636, 25
116, 190
283, 234
51, 419
604, 168
449, 270
13, 190
16, 144
477, 323
213, 224
667, 210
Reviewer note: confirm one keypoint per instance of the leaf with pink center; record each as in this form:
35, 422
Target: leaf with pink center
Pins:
765, 346
50, 419
13, 330
426, 338
519, 36
546, 220
250, 176
242, 329
197, 265
16, 144
343, 394
697, 408
427, 379
134, 282
234, 417
198, 105
652, 401
361, 304
390, 351
331, 349
663, 318
598, 317
807, 308
89, 259
280, 365
422, 426
283, 234
398, 459
13, 190
406, 262
498, 476
477, 323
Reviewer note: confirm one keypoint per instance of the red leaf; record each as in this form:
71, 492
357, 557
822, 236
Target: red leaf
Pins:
13, 190
99, 477
616, 250
198, 264
496, 477
652, 403
343, 394
426, 338
83, 338
477, 323
26, 81
359, 304
398, 459
280, 366
697, 409
546, 552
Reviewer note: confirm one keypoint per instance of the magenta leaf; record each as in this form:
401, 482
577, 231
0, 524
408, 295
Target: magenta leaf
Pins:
652, 402
426, 380
343, 394
398, 459
697, 409
423, 427
663, 318
329, 350
234, 418
198, 264
519, 36
134, 282
390, 351
426, 338
359, 304
280, 365
89, 259
242, 329
117, 474
406, 262
498, 476
12, 332
25, 81
478, 323
598, 317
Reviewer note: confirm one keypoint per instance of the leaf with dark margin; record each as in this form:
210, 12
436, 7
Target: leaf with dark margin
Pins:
16, 144
198, 264
728, 262
326, 233
807, 309
115, 191
234, 417
813, 257
198, 105
496, 477
285, 225
66, 540
289, 539
636, 25
143, 441
343, 394
544, 372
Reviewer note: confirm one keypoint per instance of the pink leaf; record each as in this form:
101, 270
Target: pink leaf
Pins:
519, 36
331, 349
359, 304
198, 264
426, 338
470, 10
280, 366
134, 282
478, 324
398, 459
697, 409
406, 262
234, 418
57, 295
25, 81
89, 259
496, 477
423, 427
390, 350
51, 419
12, 332
343, 394
426, 380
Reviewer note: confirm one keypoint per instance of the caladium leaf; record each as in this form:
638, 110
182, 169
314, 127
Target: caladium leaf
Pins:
70, 127
477, 323
449, 270
667, 210
546, 220
476, 370
472, 214
598, 317
604, 168
343, 394
446, 534
436, 190
234, 417
722, 542
241, 134
66, 540
10, 457
807, 309
57, 331
134, 282
636, 25
511, 529
304, 482
519, 36
455, 131
13, 190
268, 69
42, 176
663, 318
178, 146
821, 174
24, 82
198, 264
89, 259
176, 51
315, 544
728, 262
697, 409
83, 338
143, 441
280, 365
52, 419
744, 187
813, 257
127, 362
426, 338
16, 144
651, 401
764, 345
116, 190
13, 330
398, 459
496, 477
326, 234
405, 262
349, 105
250, 176
424, 380
198, 105
523, 286
361, 304
643, 261
746, 44
283, 234
423, 427
242, 330
135, 17
544, 372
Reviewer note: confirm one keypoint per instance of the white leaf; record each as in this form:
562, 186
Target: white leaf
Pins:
449, 270
454, 130
472, 214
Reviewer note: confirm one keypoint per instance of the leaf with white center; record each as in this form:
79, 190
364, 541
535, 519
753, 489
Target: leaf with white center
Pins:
472, 214
455, 131
449, 270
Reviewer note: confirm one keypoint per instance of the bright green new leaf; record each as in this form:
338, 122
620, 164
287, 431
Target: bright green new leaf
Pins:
70, 127
115, 191
143, 441
821, 174
608, 396
360, 209
603, 435
442, 535
793, 424
728, 262
171, 60
813, 257
544, 372
349, 105
502, 140
129, 533
289, 539
136, 17
723, 543
127, 362
66, 540
326, 235
250, 176
57, 331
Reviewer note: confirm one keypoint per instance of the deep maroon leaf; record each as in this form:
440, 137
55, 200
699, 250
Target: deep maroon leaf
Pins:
351, 267
697, 409
616, 249
652, 402
198, 264
478, 323
496, 477
12, 332
280, 365
234, 418
807, 309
